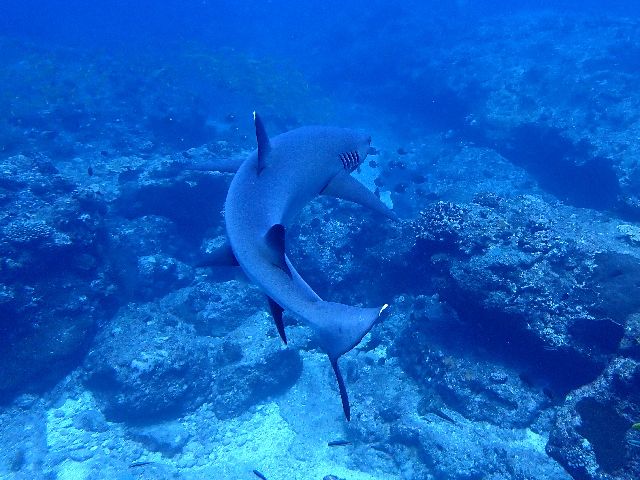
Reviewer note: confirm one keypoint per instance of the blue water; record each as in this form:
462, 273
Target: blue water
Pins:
505, 138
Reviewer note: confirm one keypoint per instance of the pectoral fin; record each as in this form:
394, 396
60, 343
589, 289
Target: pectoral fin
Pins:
346, 187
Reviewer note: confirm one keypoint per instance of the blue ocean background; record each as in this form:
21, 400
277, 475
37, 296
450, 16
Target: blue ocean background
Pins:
506, 137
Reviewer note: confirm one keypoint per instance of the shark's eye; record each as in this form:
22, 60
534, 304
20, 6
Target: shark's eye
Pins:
350, 160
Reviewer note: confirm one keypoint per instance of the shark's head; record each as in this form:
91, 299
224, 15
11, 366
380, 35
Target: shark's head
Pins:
353, 149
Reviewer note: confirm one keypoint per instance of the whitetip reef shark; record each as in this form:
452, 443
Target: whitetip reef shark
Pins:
268, 191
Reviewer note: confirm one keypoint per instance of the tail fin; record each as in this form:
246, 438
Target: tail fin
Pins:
340, 328
346, 408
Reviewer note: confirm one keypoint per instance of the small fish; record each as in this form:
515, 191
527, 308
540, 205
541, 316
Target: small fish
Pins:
139, 464
339, 443
259, 475
90, 171
636, 426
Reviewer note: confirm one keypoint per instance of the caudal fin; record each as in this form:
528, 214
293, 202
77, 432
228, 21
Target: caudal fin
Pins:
346, 408
340, 328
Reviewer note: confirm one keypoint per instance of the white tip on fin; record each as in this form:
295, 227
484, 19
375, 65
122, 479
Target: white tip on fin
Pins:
384, 307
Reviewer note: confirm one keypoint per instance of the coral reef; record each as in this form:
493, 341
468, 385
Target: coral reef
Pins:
512, 345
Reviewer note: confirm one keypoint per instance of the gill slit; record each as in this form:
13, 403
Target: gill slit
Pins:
350, 160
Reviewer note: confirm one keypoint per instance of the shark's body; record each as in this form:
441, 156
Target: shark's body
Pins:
269, 189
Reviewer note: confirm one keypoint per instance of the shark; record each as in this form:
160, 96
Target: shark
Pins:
269, 189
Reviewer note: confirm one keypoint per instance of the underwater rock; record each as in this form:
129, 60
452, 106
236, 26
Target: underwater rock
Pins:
553, 159
615, 275
630, 343
438, 227
434, 440
159, 274
630, 233
50, 245
167, 438
188, 205
592, 435
533, 282
223, 306
479, 388
27, 232
143, 254
522, 278
149, 365
24, 439
576, 144
238, 387
91, 421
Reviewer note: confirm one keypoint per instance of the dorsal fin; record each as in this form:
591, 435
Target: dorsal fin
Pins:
274, 239
264, 146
